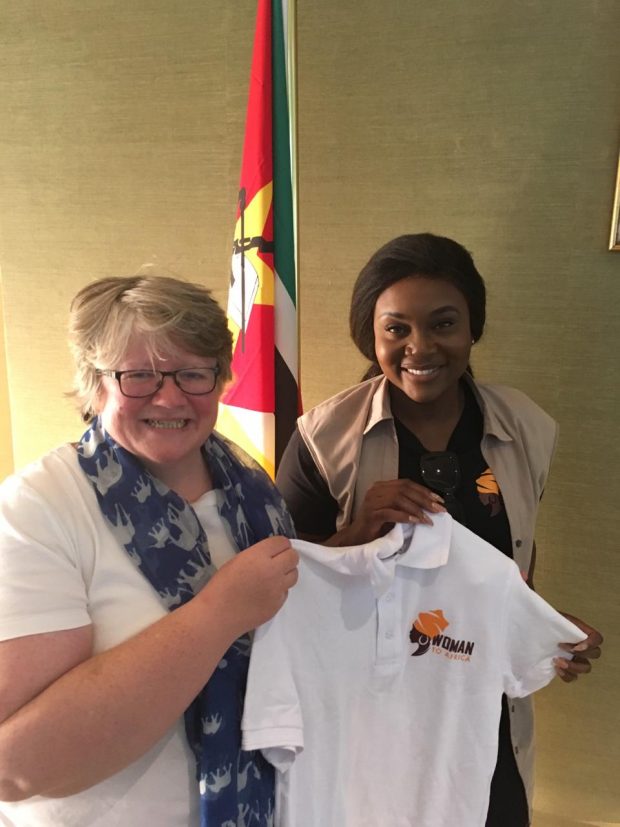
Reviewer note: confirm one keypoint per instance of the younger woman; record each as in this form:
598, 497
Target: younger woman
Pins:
421, 435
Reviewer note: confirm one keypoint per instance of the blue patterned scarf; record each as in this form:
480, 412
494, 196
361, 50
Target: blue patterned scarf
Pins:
163, 536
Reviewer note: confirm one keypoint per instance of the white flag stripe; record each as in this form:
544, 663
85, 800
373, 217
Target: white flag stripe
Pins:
285, 315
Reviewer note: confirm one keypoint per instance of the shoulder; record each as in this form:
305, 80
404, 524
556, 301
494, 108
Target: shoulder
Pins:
48, 536
518, 403
333, 430
46, 508
296, 459
305, 490
50, 497
512, 411
355, 401
48, 476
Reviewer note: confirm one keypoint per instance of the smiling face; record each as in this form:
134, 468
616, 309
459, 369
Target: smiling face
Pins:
423, 338
164, 431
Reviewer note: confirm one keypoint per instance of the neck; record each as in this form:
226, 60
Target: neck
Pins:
432, 422
190, 478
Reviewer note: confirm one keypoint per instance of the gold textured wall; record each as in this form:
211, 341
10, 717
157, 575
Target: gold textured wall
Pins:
491, 121
122, 128
6, 441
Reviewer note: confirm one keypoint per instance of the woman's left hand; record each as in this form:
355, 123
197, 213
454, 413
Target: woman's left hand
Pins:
589, 649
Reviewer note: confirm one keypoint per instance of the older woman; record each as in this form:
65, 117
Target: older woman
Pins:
422, 436
132, 566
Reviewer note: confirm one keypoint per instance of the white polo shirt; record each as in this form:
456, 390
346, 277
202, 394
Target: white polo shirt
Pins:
376, 690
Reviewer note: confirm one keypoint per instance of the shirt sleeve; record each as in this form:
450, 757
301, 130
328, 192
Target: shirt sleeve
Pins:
533, 632
305, 492
272, 720
41, 585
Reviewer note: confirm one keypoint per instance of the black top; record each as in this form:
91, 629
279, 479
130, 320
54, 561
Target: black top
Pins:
314, 510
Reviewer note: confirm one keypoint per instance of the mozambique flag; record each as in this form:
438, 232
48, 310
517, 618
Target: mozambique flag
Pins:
260, 407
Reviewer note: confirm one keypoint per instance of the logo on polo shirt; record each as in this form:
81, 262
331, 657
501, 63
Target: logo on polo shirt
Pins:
427, 632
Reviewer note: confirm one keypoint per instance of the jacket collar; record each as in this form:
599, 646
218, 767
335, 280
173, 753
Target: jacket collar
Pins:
493, 425
380, 408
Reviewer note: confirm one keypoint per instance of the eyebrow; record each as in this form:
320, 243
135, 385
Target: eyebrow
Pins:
436, 312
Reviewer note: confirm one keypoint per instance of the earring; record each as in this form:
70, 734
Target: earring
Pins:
473, 341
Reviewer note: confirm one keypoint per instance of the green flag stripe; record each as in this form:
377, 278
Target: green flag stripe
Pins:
284, 249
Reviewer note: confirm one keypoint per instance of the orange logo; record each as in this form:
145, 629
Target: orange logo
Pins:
486, 483
488, 491
431, 623
427, 632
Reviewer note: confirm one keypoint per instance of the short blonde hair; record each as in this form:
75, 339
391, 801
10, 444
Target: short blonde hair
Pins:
165, 312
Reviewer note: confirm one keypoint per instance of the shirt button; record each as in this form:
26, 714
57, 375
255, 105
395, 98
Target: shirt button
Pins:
518, 543
516, 750
389, 597
389, 635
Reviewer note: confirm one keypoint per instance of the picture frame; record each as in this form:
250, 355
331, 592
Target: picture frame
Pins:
614, 238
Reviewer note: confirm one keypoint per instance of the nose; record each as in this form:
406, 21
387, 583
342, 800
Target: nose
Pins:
169, 394
420, 342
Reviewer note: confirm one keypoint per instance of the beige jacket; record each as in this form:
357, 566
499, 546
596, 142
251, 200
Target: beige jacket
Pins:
352, 439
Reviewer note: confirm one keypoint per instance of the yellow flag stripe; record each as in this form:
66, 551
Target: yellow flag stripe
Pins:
253, 431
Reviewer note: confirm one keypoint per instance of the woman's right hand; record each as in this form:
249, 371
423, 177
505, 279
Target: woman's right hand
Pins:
386, 503
253, 586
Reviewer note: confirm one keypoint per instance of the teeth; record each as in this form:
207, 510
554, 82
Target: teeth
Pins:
167, 423
425, 372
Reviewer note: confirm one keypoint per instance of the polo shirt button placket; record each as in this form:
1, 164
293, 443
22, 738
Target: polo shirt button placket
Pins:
388, 647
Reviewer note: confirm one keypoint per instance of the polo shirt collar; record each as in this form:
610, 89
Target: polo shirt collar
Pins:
423, 546
413, 547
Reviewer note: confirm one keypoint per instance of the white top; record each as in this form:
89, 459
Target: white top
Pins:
61, 568
369, 729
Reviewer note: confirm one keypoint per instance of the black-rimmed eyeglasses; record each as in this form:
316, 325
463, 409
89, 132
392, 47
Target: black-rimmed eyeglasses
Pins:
137, 384
441, 472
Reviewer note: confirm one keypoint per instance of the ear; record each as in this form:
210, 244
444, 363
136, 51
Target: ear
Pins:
98, 400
